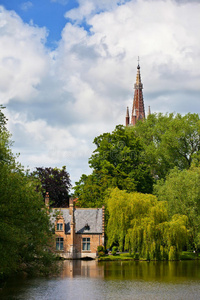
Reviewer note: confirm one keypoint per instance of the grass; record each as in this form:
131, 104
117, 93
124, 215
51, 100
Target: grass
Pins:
186, 255
120, 257
189, 255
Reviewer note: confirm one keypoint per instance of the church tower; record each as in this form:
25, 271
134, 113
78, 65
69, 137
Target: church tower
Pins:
138, 112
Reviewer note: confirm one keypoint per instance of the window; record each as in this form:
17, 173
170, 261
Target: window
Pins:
59, 226
86, 244
87, 227
59, 244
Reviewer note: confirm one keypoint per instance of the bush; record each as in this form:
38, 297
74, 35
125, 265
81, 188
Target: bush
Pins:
114, 250
136, 256
100, 249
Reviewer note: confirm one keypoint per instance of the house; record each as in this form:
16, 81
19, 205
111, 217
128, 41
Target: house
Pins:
78, 231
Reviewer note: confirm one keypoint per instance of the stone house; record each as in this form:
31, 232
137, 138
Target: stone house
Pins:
78, 231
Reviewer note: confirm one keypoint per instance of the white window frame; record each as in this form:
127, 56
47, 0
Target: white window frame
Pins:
59, 227
86, 244
59, 243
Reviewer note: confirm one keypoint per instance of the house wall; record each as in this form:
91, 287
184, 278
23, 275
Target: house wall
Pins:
95, 241
75, 251
72, 243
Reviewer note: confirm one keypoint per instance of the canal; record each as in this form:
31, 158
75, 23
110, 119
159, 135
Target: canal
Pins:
111, 280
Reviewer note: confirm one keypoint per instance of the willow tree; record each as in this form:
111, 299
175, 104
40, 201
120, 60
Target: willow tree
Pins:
140, 224
181, 190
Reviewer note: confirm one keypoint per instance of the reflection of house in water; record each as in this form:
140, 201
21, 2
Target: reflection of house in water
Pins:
73, 268
79, 231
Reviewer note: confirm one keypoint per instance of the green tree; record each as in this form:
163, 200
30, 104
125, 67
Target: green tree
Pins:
181, 190
91, 190
116, 162
56, 182
5, 142
140, 223
169, 141
26, 237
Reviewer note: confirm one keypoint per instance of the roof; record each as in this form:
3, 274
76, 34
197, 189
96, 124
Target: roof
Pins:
82, 217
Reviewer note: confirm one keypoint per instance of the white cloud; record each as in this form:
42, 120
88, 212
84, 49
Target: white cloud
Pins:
87, 8
23, 58
26, 5
63, 2
59, 101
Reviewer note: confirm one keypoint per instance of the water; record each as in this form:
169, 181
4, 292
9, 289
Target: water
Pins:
112, 280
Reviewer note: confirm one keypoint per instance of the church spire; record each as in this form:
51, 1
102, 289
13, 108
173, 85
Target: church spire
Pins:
138, 112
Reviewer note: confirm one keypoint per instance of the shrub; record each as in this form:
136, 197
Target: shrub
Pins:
100, 249
114, 250
136, 256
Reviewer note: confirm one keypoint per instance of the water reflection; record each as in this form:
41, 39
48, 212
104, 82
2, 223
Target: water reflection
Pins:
130, 270
127, 280
91, 269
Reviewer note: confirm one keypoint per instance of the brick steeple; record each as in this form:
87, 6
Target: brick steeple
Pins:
138, 112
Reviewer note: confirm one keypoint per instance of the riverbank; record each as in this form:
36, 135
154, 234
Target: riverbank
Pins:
186, 255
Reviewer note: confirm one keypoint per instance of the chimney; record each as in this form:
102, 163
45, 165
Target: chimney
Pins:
71, 205
47, 200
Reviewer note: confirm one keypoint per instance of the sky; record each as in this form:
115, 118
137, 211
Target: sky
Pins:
68, 68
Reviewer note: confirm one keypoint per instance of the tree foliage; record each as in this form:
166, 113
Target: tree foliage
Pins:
57, 183
5, 142
133, 158
169, 141
139, 223
116, 162
181, 190
25, 238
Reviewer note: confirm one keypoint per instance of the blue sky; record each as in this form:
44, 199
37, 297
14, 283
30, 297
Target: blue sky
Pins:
68, 68
49, 14
43, 13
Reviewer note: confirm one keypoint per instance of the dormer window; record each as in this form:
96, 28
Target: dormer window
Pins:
87, 227
60, 226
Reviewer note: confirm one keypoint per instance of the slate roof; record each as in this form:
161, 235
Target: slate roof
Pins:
83, 216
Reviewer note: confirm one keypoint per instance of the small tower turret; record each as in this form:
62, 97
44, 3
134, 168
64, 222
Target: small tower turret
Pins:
149, 111
127, 116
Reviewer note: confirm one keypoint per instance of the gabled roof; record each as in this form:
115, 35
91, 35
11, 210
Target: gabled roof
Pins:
90, 217
82, 217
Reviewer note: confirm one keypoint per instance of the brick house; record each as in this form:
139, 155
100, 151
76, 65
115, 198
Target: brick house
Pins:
78, 231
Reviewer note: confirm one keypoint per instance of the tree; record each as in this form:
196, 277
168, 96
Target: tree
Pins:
116, 162
5, 153
169, 141
26, 237
181, 190
24, 224
57, 183
91, 189
140, 223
